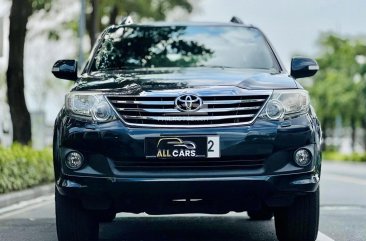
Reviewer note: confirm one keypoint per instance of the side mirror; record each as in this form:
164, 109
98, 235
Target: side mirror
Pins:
303, 67
65, 69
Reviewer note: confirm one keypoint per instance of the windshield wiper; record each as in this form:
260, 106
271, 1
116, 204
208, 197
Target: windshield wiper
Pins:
213, 66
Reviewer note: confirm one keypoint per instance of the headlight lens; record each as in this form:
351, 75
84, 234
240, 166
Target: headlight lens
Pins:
274, 110
285, 104
90, 106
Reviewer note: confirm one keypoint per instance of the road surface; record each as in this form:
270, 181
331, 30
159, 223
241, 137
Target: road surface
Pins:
342, 217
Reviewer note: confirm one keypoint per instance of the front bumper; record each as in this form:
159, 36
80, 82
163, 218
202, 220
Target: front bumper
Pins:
101, 184
148, 194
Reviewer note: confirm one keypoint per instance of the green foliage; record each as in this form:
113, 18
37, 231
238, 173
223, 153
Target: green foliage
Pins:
53, 35
40, 5
22, 167
154, 9
339, 89
337, 156
141, 47
339, 86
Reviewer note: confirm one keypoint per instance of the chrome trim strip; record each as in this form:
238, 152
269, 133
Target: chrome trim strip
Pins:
186, 118
203, 110
205, 102
221, 91
143, 102
186, 126
228, 102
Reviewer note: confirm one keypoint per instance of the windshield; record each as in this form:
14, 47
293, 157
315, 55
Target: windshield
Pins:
183, 46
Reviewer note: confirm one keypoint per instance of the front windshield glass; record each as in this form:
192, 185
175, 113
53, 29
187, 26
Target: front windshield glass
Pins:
183, 46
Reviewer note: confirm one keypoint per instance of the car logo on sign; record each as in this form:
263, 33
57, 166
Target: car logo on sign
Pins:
172, 147
188, 103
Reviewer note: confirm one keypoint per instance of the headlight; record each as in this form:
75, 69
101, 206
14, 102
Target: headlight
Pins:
285, 104
90, 106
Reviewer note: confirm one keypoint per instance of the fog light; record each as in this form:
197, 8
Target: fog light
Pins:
302, 157
74, 160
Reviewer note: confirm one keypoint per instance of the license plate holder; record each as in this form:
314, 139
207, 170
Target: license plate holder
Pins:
182, 147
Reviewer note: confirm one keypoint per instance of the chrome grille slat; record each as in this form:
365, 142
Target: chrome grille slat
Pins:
160, 111
228, 102
186, 118
203, 110
157, 102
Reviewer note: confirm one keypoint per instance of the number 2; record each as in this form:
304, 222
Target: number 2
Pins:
210, 145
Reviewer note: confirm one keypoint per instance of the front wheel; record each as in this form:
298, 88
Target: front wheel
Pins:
73, 223
300, 221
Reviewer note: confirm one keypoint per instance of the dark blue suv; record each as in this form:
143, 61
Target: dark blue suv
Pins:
186, 118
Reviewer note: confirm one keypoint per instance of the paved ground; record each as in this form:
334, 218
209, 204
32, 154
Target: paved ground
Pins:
343, 217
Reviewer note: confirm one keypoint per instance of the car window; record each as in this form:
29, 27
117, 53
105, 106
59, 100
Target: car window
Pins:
183, 46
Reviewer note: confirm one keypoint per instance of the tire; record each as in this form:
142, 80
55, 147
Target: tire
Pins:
73, 223
105, 216
300, 221
261, 215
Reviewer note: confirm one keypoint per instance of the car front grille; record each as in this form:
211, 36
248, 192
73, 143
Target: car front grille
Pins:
161, 111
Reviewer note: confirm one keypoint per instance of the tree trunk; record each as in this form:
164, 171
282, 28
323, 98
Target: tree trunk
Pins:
363, 123
19, 14
353, 134
113, 15
93, 22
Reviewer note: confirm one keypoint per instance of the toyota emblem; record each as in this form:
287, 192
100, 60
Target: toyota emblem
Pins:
188, 103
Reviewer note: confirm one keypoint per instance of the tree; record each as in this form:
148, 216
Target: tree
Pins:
153, 9
339, 89
141, 47
20, 12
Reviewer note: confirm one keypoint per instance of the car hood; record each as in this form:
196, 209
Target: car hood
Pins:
138, 81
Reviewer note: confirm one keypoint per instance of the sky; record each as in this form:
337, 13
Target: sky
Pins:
293, 26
